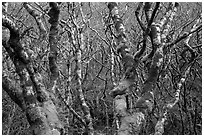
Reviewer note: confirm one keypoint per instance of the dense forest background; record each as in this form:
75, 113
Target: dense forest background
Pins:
64, 69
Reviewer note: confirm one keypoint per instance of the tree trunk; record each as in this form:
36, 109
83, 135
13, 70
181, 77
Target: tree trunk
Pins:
40, 111
145, 103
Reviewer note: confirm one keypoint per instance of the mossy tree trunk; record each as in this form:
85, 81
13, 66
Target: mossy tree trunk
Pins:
33, 98
131, 123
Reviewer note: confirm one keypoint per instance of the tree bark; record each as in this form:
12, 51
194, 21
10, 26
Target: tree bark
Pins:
129, 122
159, 128
38, 18
53, 42
40, 111
145, 103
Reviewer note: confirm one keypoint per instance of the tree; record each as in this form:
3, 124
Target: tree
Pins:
102, 68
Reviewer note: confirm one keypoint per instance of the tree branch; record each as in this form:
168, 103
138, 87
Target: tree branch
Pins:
53, 42
37, 16
14, 93
137, 16
185, 35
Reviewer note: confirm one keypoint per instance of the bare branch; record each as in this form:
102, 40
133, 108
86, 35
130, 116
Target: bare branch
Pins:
159, 128
147, 9
137, 16
185, 35
38, 18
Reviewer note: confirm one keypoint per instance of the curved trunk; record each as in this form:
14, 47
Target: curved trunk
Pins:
40, 111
